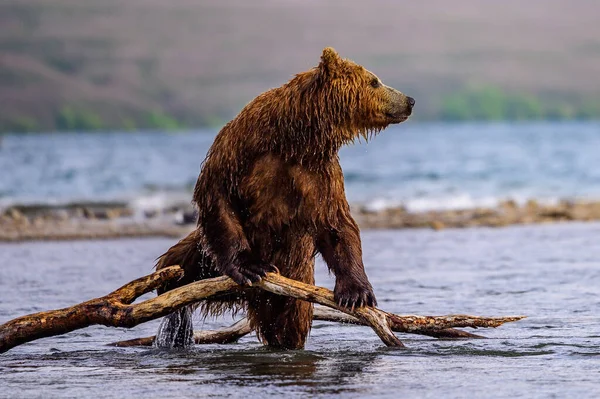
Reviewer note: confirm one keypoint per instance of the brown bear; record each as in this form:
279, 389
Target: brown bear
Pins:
271, 193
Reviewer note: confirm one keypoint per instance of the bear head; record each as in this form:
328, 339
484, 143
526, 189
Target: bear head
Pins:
355, 97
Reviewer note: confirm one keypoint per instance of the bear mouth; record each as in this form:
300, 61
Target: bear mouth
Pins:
397, 118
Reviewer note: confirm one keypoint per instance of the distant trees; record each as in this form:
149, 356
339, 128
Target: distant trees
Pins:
79, 119
488, 103
485, 103
70, 118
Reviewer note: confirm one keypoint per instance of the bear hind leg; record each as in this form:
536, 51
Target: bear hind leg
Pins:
281, 322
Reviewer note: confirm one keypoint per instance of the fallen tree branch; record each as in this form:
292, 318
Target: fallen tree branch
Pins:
383, 322
421, 325
242, 328
225, 335
402, 325
116, 309
110, 310
370, 316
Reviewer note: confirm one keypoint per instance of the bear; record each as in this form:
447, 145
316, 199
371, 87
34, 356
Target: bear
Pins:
270, 197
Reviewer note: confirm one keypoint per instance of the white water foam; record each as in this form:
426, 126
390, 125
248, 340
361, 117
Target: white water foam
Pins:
447, 203
159, 201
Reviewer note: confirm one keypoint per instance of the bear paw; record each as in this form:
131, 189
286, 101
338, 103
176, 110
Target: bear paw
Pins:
249, 273
353, 294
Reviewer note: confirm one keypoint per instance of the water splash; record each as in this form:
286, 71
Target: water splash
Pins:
176, 330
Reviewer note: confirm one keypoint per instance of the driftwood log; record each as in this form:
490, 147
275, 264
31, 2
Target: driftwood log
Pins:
118, 310
242, 328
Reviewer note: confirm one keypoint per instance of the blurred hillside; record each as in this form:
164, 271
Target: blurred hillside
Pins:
85, 64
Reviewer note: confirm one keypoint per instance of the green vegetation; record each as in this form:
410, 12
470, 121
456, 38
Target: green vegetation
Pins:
128, 124
161, 121
20, 124
76, 119
215, 122
488, 103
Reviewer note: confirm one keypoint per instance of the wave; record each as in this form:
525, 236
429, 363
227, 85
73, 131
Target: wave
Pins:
181, 200
141, 204
447, 203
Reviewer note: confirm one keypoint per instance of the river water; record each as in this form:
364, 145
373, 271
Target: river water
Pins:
549, 273
419, 165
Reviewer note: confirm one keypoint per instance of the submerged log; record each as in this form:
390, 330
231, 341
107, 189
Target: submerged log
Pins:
117, 310
422, 325
242, 328
224, 335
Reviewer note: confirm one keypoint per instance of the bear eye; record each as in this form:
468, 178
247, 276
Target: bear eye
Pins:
375, 83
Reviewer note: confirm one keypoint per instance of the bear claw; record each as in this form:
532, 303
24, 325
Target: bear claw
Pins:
248, 274
352, 296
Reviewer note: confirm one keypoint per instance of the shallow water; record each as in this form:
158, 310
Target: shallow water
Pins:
549, 273
421, 165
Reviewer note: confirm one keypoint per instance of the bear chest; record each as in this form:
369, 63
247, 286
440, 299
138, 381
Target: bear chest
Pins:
282, 196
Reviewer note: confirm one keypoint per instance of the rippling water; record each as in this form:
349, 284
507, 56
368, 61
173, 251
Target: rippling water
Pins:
549, 273
421, 165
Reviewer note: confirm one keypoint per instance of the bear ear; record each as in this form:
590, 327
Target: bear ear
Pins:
330, 60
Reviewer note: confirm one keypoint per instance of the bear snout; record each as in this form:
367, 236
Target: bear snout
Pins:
411, 101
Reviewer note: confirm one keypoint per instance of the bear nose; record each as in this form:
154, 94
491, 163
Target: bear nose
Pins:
411, 102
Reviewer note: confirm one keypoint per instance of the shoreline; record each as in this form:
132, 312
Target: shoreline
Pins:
87, 221
506, 213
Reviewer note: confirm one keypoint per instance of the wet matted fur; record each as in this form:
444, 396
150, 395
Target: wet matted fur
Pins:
271, 192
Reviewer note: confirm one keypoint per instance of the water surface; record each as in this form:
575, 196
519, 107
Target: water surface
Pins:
549, 273
420, 165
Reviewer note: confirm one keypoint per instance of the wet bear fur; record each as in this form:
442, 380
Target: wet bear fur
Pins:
271, 193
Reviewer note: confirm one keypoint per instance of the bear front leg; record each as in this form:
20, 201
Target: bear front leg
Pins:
229, 245
341, 249
245, 270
